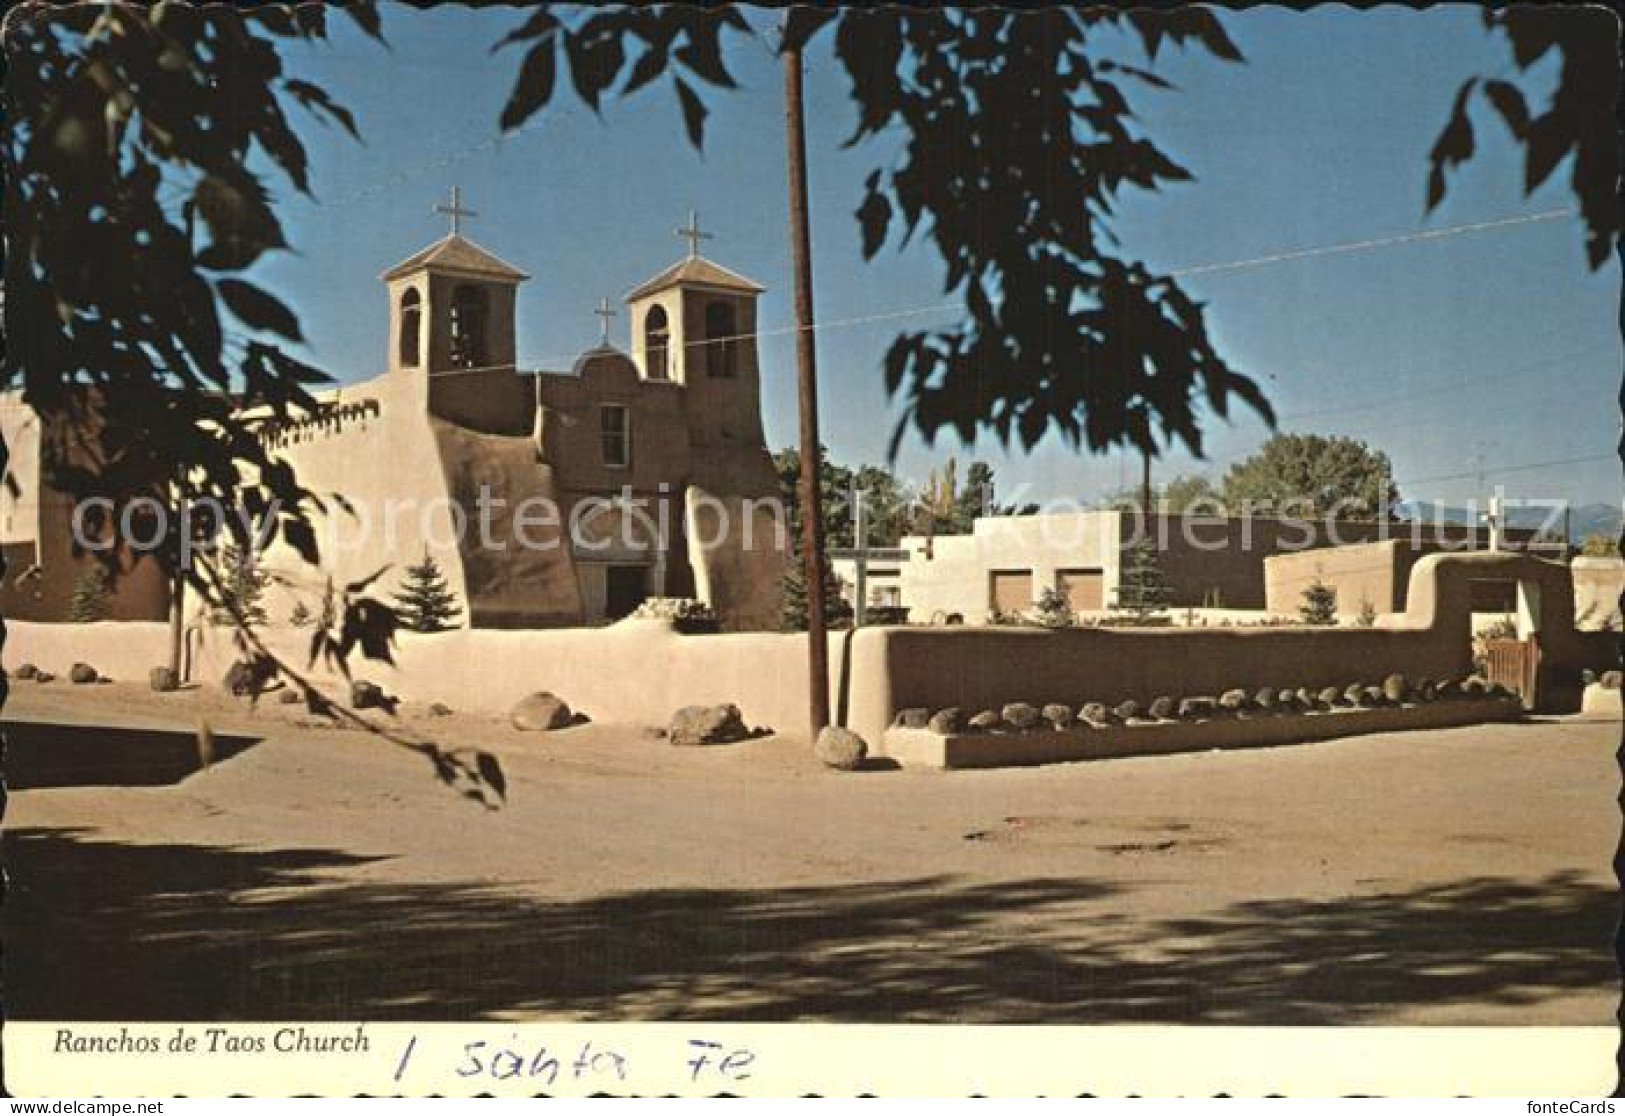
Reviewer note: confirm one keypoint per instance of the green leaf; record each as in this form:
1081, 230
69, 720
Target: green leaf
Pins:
537, 77
694, 113
257, 309
316, 100
1509, 102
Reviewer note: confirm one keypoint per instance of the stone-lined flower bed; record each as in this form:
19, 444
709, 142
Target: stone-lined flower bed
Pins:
1021, 733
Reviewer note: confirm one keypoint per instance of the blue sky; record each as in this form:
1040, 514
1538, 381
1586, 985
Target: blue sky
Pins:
1484, 350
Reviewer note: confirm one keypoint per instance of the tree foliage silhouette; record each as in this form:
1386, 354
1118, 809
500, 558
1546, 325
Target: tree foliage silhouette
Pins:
132, 133
1021, 137
132, 220
1579, 120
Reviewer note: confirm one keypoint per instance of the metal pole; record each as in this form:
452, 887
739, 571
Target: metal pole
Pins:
812, 520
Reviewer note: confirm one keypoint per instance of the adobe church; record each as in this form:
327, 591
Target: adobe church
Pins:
517, 481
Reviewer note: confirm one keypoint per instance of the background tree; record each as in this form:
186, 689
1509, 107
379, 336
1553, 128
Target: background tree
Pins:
834, 488
241, 585
425, 601
1599, 546
1020, 135
1186, 492
1319, 605
92, 598
1306, 474
1053, 610
1142, 587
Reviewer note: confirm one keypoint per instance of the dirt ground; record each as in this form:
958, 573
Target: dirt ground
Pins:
1458, 876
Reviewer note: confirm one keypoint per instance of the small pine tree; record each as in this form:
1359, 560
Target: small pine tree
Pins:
1142, 588
1319, 604
425, 601
301, 616
243, 584
1053, 609
793, 598
92, 598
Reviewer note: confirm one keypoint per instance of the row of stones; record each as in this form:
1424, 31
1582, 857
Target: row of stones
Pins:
1020, 716
80, 674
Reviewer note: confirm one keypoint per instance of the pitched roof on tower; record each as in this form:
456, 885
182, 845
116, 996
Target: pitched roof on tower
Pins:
696, 271
456, 252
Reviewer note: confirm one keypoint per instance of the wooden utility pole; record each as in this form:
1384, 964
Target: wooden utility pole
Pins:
1145, 486
808, 496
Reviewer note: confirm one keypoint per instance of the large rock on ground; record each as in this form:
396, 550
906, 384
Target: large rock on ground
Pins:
540, 712
840, 748
163, 680
1094, 713
1395, 689
26, 672
707, 724
1162, 708
81, 674
947, 721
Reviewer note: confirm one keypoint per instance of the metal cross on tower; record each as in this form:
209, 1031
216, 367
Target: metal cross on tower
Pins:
691, 233
455, 210
604, 315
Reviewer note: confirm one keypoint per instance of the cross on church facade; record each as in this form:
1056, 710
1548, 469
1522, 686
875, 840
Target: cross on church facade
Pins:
455, 210
691, 233
604, 315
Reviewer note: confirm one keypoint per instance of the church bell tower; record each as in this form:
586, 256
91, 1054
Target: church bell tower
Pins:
694, 324
451, 305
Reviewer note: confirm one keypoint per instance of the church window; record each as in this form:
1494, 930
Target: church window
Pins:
411, 327
468, 327
721, 341
656, 342
615, 423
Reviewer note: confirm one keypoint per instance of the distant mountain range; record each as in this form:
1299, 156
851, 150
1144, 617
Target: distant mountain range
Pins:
1584, 519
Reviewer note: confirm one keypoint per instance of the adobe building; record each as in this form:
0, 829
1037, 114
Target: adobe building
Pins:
1006, 563
549, 497
1377, 575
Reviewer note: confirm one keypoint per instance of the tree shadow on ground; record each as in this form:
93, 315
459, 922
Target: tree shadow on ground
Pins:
40, 755
101, 930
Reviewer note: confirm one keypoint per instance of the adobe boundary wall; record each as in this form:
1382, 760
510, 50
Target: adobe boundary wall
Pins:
642, 671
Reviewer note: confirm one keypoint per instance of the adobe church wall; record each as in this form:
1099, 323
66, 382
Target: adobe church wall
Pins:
522, 573
490, 400
387, 468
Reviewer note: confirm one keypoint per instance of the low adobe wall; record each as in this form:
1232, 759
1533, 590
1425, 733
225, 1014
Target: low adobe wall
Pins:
636, 672
923, 748
640, 672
